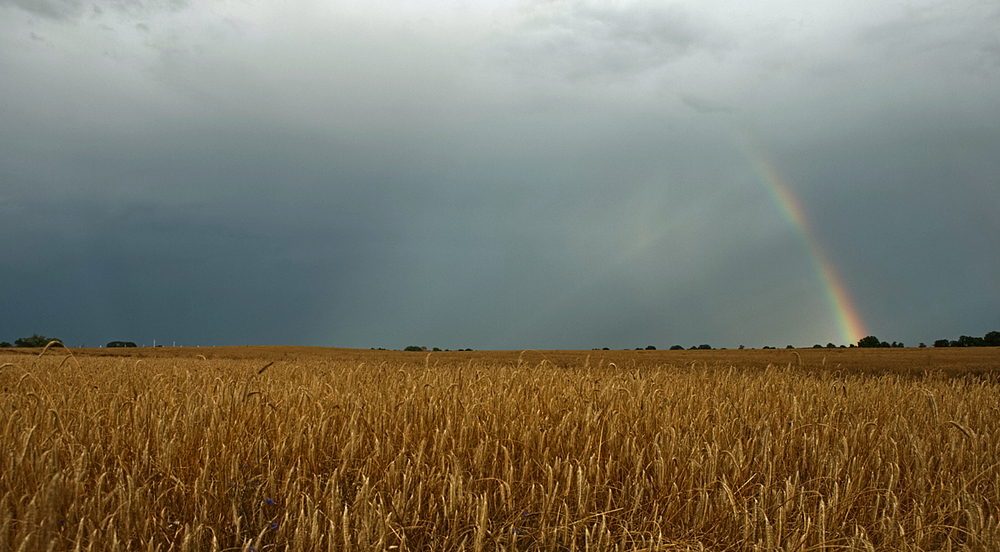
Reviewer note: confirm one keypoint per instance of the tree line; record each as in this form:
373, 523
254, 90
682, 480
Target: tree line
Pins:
34, 341
991, 339
41, 341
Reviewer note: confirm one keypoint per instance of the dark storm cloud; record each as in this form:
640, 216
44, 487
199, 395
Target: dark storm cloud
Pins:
543, 174
205, 271
908, 211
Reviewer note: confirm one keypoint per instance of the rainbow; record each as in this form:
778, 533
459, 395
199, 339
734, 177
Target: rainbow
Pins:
852, 327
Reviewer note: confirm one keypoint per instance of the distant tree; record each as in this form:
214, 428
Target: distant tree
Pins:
817, 346
650, 348
37, 341
922, 345
413, 348
741, 347
831, 346
437, 348
789, 347
5, 344
676, 348
992, 339
705, 347
120, 344
869, 342
942, 343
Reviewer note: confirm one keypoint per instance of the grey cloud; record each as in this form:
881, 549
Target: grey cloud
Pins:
964, 35
142, 5
70, 10
53, 9
704, 105
144, 8
586, 40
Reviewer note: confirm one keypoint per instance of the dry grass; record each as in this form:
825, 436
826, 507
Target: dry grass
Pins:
357, 450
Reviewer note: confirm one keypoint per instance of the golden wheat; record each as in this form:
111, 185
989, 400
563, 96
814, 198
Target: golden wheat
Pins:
440, 453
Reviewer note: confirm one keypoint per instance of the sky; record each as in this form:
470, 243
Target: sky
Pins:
499, 174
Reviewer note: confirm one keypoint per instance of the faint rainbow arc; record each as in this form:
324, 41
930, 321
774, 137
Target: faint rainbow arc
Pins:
852, 327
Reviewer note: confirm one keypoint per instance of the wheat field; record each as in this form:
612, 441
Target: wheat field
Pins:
315, 449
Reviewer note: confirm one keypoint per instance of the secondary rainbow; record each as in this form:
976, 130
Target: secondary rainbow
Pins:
852, 327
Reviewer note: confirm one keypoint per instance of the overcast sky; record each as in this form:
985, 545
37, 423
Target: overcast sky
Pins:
497, 174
